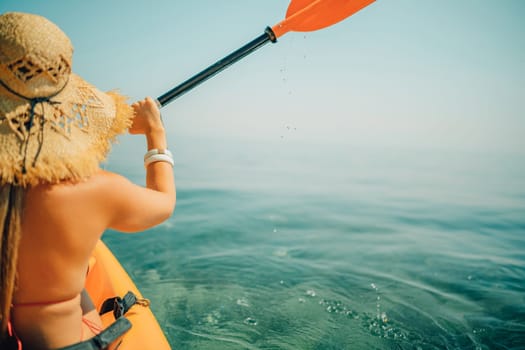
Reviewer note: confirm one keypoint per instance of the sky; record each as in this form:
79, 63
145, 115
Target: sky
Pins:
412, 74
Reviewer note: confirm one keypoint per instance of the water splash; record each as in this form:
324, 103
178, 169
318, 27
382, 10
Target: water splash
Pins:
378, 303
377, 324
337, 307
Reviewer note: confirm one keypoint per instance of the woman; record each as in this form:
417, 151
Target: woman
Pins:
55, 201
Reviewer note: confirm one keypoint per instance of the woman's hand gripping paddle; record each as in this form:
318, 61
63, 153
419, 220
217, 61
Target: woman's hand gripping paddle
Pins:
301, 16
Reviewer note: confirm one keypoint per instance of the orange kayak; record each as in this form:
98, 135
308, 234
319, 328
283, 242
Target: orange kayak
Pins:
106, 279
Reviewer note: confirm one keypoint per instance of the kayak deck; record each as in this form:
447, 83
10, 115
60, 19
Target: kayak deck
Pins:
106, 279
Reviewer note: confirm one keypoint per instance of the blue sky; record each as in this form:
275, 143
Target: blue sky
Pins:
412, 74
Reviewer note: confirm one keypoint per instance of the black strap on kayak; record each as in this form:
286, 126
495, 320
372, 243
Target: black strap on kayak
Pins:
120, 306
104, 338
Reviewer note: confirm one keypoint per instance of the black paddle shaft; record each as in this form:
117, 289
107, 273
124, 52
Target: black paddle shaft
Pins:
217, 67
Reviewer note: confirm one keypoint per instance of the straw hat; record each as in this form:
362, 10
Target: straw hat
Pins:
54, 126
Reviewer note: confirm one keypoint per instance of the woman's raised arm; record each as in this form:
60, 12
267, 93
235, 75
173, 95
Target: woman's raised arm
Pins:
135, 207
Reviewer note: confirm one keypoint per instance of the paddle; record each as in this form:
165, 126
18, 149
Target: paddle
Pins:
301, 16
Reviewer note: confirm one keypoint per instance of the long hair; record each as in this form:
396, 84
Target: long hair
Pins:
11, 206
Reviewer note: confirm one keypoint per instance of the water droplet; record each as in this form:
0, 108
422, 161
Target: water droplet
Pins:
373, 286
250, 321
310, 293
480, 330
243, 302
302, 300
211, 319
274, 230
281, 252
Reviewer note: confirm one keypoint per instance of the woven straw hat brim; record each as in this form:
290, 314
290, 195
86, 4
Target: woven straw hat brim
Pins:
68, 137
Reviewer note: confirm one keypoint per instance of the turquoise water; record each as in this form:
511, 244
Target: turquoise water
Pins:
288, 246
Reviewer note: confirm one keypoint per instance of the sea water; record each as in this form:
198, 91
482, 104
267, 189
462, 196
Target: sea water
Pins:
285, 246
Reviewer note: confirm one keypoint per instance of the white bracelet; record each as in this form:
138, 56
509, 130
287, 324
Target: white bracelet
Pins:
158, 158
157, 151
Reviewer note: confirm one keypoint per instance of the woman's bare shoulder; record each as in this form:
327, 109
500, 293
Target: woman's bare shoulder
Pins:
99, 187
107, 184
108, 177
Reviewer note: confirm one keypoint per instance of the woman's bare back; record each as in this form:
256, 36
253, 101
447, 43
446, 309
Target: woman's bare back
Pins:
61, 225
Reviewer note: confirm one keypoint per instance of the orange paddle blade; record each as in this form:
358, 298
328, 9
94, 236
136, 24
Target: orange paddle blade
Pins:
310, 15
